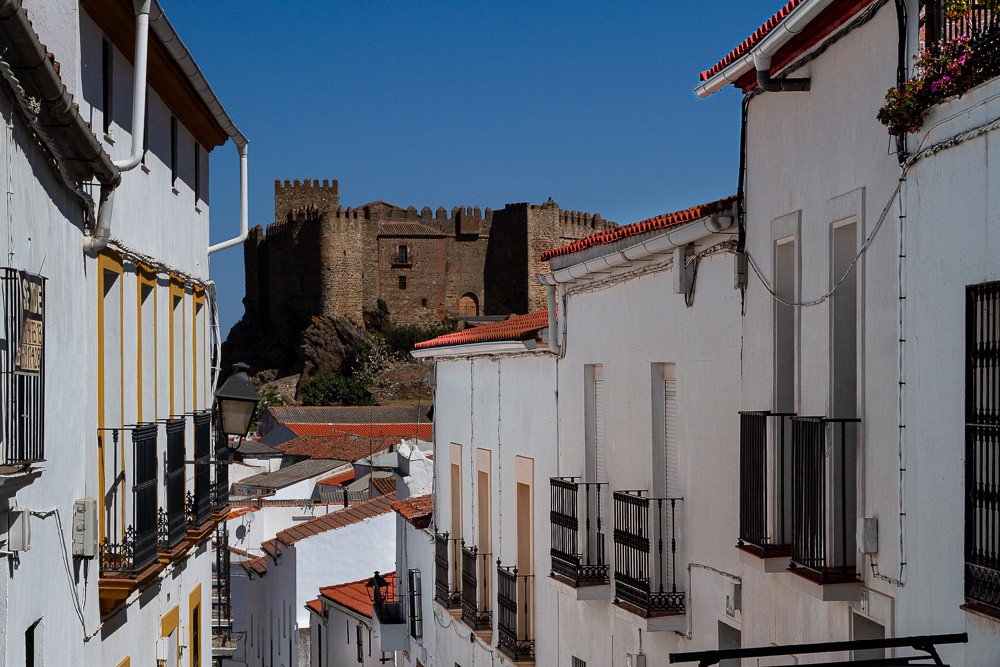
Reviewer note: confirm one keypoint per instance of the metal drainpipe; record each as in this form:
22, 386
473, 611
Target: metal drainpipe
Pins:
244, 197
553, 334
762, 64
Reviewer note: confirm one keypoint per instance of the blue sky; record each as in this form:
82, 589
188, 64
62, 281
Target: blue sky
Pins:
466, 103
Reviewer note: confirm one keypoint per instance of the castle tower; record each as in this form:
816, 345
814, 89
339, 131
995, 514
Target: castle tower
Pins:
292, 195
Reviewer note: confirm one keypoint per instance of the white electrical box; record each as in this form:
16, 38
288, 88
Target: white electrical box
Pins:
18, 530
868, 540
85, 528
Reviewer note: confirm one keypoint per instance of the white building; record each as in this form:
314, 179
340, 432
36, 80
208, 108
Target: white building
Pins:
108, 353
867, 448
586, 453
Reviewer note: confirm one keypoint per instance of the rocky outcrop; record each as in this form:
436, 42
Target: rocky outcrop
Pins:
326, 343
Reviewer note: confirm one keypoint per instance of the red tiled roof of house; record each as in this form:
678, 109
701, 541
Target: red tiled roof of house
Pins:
417, 510
338, 480
424, 430
271, 547
354, 595
257, 565
237, 512
355, 513
386, 486
315, 606
520, 327
826, 22
650, 224
340, 447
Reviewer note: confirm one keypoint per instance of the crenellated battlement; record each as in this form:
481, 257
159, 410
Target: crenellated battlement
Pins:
292, 195
583, 219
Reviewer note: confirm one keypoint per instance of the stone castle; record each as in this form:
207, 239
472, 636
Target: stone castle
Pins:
318, 259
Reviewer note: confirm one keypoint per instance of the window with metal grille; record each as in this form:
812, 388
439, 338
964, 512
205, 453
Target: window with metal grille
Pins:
982, 445
144, 474
360, 644
174, 480
578, 663
402, 255
202, 505
414, 592
22, 368
402, 282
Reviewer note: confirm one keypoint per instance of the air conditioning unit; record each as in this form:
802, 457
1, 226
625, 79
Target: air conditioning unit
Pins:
18, 530
85, 528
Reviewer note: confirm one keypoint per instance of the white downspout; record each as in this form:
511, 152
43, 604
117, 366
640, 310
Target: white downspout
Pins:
138, 85
553, 335
102, 232
244, 212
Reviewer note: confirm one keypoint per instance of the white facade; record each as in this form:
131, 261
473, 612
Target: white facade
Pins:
107, 365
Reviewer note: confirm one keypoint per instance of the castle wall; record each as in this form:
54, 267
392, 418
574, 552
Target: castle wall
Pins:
422, 300
506, 285
344, 244
291, 195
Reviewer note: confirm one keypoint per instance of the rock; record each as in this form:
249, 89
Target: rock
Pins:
325, 346
377, 320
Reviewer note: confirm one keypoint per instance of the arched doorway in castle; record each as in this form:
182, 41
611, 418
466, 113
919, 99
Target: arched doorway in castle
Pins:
468, 305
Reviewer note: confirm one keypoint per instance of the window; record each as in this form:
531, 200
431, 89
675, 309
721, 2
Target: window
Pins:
423, 303
578, 663
146, 376
666, 481
107, 73
360, 643
173, 151
982, 446
594, 411
414, 593
402, 255
402, 282
197, 173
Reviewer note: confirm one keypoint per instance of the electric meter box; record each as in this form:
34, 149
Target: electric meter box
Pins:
85, 528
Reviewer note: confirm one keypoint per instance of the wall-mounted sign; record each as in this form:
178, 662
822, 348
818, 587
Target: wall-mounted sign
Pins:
28, 355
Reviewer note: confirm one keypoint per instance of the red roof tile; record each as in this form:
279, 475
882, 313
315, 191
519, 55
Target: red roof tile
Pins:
826, 22
315, 606
338, 480
417, 510
340, 447
386, 486
651, 224
354, 595
355, 513
424, 431
256, 565
520, 327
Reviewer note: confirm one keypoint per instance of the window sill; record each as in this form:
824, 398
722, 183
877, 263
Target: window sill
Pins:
982, 610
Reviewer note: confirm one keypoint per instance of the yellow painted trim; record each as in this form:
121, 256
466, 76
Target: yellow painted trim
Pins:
197, 300
106, 261
194, 602
176, 291
144, 278
126, 662
170, 621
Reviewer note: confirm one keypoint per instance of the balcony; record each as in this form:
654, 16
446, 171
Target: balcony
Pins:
171, 528
446, 556
646, 556
220, 495
980, 23
198, 505
578, 557
824, 499
389, 621
128, 555
476, 599
514, 618
765, 481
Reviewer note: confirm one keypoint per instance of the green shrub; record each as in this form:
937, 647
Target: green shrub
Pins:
325, 389
268, 396
401, 338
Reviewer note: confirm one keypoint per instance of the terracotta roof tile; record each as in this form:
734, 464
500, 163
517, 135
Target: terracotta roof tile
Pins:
521, 327
386, 486
355, 513
417, 510
315, 606
649, 225
340, 447
257, 565
338, 480
404, 229
424, 430
354, 595
822, 25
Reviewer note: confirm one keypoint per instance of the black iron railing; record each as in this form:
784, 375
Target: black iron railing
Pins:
200, 502
982, 446
222, 615
223, 456
22, 368
174, 481
514, 613
476, 612
389, 607
765, 481
980, 23
577, 558
137, 549
824, 495
646, 554
415, 595
445, 563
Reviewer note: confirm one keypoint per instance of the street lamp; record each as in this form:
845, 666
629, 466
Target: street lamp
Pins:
377, 588
237, 401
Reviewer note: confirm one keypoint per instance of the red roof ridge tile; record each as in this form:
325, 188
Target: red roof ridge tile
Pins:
751, 41
661, 221
356, 513
513, 329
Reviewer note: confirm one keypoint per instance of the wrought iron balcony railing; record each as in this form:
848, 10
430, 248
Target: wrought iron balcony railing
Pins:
173, 533
390, 609
514, 613
199, 503
446, 558
765, 482
824, 496
135, 549
476, 610
646, 554
578, 557
223, 456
